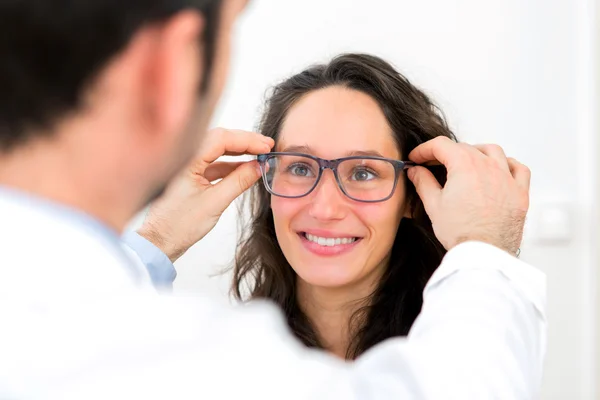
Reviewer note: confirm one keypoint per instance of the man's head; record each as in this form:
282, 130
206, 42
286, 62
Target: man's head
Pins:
123, 89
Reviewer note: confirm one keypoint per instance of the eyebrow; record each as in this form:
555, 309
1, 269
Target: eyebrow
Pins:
308, 150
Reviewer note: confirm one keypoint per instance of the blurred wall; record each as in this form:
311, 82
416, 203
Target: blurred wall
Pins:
518, 73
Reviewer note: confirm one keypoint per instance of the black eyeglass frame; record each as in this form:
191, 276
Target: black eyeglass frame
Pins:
398, 165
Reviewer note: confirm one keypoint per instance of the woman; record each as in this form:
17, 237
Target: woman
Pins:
338, 237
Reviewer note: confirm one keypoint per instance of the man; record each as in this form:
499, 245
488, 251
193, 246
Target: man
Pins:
102, 104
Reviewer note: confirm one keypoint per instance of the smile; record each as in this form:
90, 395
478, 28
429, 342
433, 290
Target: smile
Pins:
329, 242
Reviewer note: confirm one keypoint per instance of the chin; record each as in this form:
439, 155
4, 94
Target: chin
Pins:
331, 277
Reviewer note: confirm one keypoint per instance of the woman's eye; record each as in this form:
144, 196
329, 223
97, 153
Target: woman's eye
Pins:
362, 175
300, 170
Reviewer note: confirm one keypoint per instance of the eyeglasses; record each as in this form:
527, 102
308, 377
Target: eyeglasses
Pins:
361, 178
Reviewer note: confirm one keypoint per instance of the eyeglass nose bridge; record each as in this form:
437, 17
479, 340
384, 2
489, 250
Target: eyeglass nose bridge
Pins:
328, 164
333, 166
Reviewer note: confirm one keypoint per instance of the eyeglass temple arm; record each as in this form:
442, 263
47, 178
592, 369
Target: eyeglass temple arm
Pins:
408, 164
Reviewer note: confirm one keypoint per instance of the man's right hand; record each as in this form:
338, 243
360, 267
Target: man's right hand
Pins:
192, 204
485, 198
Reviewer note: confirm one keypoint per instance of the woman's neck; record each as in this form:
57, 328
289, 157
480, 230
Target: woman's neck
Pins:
330, 310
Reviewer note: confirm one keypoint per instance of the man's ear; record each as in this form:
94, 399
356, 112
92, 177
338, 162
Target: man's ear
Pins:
175, 73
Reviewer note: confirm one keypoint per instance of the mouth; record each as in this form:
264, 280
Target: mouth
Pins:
328, 245
328, 241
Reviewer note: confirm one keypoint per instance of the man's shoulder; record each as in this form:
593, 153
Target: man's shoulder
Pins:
43, 256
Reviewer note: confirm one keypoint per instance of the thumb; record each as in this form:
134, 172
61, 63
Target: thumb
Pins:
428, 188
237, 182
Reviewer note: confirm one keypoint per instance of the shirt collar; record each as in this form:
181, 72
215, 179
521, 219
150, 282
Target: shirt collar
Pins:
81, 220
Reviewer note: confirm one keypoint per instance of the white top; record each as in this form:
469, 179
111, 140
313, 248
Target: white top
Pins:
80, 320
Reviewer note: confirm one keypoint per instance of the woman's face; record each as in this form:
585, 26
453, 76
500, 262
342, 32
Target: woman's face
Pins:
332, 123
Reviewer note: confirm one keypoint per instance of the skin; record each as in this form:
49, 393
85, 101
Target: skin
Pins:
332, 123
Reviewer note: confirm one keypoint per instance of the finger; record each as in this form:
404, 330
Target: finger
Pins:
494, 152
441, 149
225, 141
236, 154
220, 169
237, 182
428, 188
434, 163
520, 172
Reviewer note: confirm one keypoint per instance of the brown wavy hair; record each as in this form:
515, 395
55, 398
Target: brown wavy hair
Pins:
260, 266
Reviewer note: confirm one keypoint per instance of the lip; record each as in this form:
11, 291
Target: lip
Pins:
327, 251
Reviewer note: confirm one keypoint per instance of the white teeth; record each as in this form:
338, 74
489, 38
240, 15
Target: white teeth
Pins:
329, 241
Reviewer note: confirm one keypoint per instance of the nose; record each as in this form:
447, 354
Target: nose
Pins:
327, 201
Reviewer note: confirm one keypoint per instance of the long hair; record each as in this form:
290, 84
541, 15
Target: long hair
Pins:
260, 266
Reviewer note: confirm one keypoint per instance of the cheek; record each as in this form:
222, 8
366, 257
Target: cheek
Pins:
281, 207
383, 219
284, 211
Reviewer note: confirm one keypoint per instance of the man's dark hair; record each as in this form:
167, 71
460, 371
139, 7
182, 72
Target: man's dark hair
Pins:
52, 50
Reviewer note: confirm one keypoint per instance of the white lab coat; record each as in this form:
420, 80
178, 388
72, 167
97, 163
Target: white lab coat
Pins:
77, 324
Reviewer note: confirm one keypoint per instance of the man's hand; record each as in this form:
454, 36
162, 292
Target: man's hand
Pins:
192, 205
485, 198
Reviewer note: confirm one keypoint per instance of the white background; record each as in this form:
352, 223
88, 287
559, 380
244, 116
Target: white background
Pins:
515, 72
